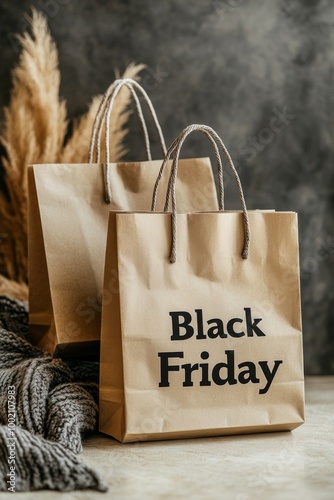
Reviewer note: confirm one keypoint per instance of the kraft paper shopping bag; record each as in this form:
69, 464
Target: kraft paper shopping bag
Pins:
68, 216
201, 321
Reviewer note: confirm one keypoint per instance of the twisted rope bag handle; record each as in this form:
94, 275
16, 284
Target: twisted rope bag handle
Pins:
103, 118
171, 190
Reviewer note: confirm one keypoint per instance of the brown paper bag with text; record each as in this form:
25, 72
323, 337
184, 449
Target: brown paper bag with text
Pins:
201, 321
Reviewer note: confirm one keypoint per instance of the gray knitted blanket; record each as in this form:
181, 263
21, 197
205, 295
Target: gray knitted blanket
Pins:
46, 406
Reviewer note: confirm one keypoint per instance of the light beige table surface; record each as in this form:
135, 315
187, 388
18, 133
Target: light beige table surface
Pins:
288, 465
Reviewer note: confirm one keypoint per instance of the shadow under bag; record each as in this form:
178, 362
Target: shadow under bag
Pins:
202, 334
68, 218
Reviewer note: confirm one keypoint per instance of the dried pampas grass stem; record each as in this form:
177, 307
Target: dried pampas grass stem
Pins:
13, 289
78, 145
33, 132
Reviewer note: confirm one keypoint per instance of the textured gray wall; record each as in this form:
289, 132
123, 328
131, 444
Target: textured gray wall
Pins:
235, 65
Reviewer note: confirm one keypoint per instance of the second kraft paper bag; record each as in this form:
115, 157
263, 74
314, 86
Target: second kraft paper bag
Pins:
68, 217
201, 335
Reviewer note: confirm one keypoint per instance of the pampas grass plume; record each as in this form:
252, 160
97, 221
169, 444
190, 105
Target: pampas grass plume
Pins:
34, 131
